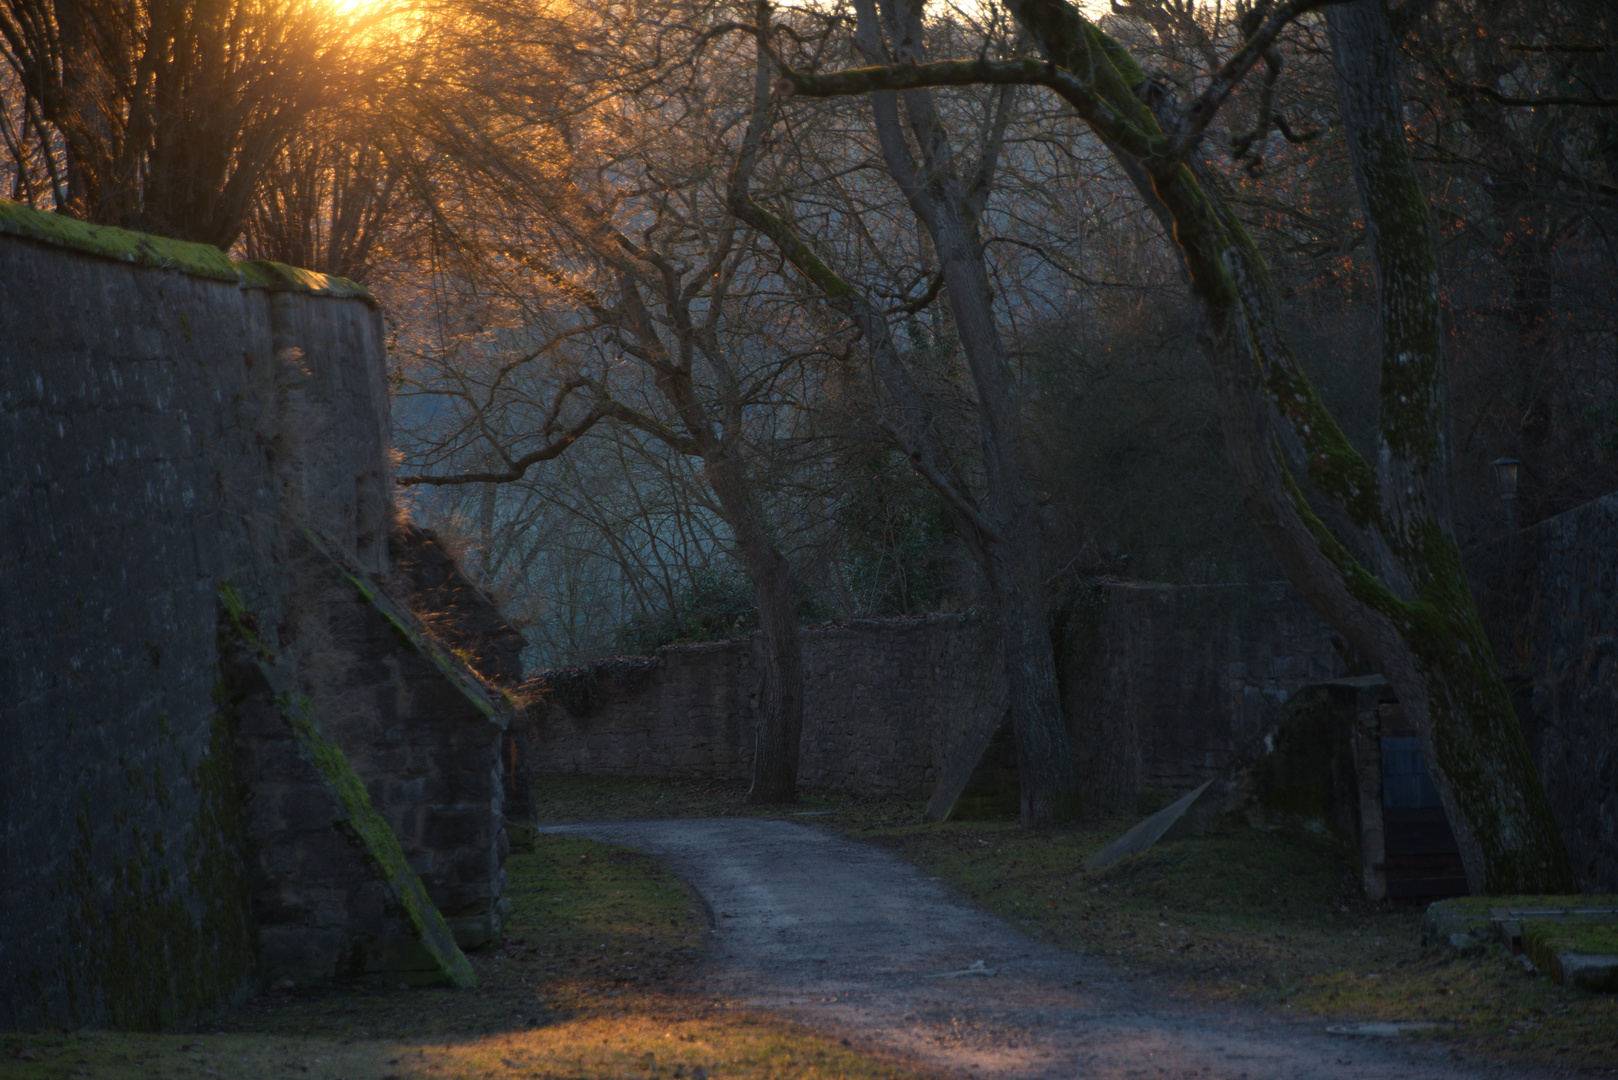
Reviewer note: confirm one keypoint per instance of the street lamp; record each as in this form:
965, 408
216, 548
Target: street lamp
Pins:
1505, 481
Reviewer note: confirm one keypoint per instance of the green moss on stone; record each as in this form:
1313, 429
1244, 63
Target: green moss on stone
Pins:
378, 838
124, 245
1573, 935
143, 952
1470, 914
459, 674
143, 249
1480, 906
264, 274
367, 826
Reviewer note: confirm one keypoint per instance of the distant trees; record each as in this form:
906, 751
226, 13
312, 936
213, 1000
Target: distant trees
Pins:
897, 331
164, 115
328, 200
630, 297
1516, 119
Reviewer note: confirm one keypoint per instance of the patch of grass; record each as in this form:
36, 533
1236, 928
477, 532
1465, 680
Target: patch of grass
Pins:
648, 1044
589, 923
589, 981
1270, 919
1579, 937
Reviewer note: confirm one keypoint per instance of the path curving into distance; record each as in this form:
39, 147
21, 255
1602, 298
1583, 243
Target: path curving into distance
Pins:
847, 938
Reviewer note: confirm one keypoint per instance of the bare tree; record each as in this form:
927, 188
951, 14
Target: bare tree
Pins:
1407, 605
1001, 529
162, 115
326, 202
647, 306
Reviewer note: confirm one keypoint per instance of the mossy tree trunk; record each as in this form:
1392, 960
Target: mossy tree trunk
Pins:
1442, 667
1410, 610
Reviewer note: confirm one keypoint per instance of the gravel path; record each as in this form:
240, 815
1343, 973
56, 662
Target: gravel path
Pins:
847, 938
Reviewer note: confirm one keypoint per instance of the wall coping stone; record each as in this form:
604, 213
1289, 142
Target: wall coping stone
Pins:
144, 249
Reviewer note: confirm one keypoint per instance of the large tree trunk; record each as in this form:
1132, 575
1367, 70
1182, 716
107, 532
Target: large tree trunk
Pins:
948, 208
780, 719
1411, 611
1048, 779
1445, 671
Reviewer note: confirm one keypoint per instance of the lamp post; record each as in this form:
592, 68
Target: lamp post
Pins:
1505, 481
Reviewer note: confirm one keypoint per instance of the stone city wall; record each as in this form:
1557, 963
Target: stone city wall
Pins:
1159, 684
170, 421
883, 701
132, 484
456, 611
1162, 683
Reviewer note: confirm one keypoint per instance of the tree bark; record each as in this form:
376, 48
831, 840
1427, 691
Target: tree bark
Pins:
780, 721
948, 207
1003, 532
779, 729
1446, 670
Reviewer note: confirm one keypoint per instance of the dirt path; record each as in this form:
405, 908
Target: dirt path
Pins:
846, 937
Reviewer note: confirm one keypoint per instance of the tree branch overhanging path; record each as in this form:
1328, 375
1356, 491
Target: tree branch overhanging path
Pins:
1406, 604
1369, 543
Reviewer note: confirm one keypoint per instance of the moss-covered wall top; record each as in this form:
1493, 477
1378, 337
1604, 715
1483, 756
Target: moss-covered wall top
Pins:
143, 249
134, 481
163, 413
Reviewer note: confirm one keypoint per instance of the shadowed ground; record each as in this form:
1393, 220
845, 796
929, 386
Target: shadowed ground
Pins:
844, 936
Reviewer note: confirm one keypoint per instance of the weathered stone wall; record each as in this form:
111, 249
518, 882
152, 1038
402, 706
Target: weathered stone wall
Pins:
332, 894
414, 723
329, 432
1160, 685
466, 619
884, 700
169, 420
1550, 600
132, 484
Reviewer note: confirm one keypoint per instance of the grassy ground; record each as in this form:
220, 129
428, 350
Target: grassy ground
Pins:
1269, 919
587, 983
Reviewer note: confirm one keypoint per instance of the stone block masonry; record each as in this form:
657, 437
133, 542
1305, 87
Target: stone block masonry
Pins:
131, 483
332, 892
884, 700
170, 421
459, 613
1160, 684
1550, 600
1163, 683
415, 722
